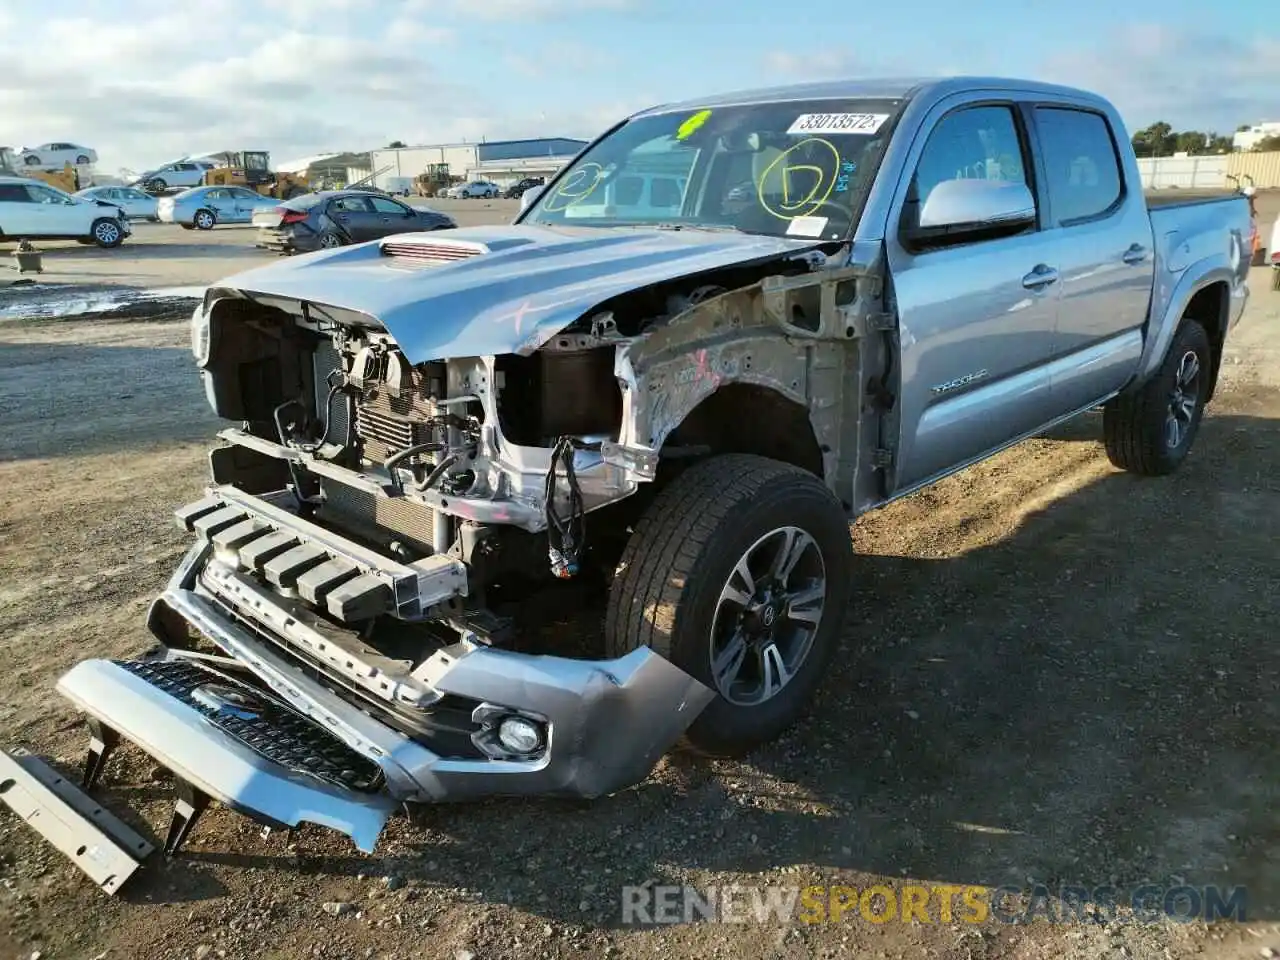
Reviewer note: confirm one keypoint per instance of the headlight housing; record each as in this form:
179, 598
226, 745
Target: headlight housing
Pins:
200, 335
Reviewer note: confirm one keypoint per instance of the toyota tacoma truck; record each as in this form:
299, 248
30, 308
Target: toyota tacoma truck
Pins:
511, 510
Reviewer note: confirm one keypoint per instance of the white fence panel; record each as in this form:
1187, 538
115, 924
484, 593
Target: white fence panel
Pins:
1186, 173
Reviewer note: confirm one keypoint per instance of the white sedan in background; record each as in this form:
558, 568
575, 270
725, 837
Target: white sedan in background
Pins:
135, 204
54, 155
33, 210
484, 189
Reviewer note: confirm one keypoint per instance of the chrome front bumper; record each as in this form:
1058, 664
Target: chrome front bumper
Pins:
607, 722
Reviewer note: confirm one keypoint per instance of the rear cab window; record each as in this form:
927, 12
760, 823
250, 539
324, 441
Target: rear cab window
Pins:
1084, 177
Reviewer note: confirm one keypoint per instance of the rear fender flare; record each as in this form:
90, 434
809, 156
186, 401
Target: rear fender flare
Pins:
1194, 278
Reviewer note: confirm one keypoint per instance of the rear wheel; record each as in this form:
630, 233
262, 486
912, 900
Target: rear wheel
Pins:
32, 160
738, 573
204, 220
1150, 432
1275, 278
81, 160
157, 186
107, 233
331, 241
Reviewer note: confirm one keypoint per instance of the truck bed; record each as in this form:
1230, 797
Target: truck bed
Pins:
1178, 197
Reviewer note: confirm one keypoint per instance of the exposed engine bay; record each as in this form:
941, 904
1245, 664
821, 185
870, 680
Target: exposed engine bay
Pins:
496, 462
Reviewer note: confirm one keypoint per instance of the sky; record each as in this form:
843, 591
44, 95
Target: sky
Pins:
148, 81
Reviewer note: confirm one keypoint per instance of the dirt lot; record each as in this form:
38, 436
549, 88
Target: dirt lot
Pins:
1052, 672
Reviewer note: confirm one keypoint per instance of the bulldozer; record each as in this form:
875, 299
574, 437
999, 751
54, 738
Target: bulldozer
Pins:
434, 180
67, 179
252, 169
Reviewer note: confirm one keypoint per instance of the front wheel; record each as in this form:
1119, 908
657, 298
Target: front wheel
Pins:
1150, 432
107, 233
1275, 278
738, 573
204, 220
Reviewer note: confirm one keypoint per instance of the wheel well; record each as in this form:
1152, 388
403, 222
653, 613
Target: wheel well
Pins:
747, 418
1208, 307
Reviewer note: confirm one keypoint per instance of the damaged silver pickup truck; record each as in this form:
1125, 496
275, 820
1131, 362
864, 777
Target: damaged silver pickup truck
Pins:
725, 329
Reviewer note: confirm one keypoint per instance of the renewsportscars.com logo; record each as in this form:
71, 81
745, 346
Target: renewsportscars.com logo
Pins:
938, 903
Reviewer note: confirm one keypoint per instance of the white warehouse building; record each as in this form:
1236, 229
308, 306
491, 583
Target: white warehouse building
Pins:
1250, 137
503, 161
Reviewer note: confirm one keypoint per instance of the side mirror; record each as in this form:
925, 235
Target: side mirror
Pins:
964, 208
530, 195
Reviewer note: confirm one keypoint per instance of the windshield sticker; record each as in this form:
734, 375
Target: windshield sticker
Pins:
800, 179
846, 171
692, 125
806, 226
576, 188
838, 123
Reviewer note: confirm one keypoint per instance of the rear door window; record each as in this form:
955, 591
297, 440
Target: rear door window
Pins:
13, 193
1084, 177
350, 205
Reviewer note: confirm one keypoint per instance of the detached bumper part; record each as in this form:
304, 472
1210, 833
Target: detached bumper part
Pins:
211, 734
107, 850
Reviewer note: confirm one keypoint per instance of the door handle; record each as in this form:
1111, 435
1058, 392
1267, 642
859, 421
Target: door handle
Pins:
1041, 276
1135, 254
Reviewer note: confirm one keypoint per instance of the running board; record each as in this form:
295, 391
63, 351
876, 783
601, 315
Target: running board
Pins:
106, 849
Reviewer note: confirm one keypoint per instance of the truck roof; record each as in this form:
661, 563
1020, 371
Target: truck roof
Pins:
874, 88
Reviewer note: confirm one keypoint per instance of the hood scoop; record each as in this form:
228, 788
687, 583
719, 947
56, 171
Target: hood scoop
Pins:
430, 248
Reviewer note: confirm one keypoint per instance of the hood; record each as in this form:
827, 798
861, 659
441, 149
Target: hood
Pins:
495, 290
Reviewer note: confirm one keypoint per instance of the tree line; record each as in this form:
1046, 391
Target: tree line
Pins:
1161, 140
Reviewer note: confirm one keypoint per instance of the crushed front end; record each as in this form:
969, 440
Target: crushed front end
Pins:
328, 645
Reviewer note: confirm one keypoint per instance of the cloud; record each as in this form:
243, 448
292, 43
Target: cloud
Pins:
297, 77
1191, 79
519, 9
555, 57
192, 82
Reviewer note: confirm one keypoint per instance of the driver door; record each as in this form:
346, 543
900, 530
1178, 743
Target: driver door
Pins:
977, 317
58, 215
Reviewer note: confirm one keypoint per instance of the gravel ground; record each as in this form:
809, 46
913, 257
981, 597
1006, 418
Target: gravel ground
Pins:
1052, 672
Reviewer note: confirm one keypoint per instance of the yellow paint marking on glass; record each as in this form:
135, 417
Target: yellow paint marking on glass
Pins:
692, 125
825, 182
577, 187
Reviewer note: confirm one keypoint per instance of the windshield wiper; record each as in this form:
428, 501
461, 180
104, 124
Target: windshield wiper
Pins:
713, 227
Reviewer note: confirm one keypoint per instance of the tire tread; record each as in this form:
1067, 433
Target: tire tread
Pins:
671, 537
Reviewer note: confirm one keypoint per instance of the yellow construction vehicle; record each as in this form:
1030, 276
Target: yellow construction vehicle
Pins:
252, 169
433, 181
66, 179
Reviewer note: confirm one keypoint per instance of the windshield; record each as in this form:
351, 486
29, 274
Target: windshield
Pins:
797, 168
